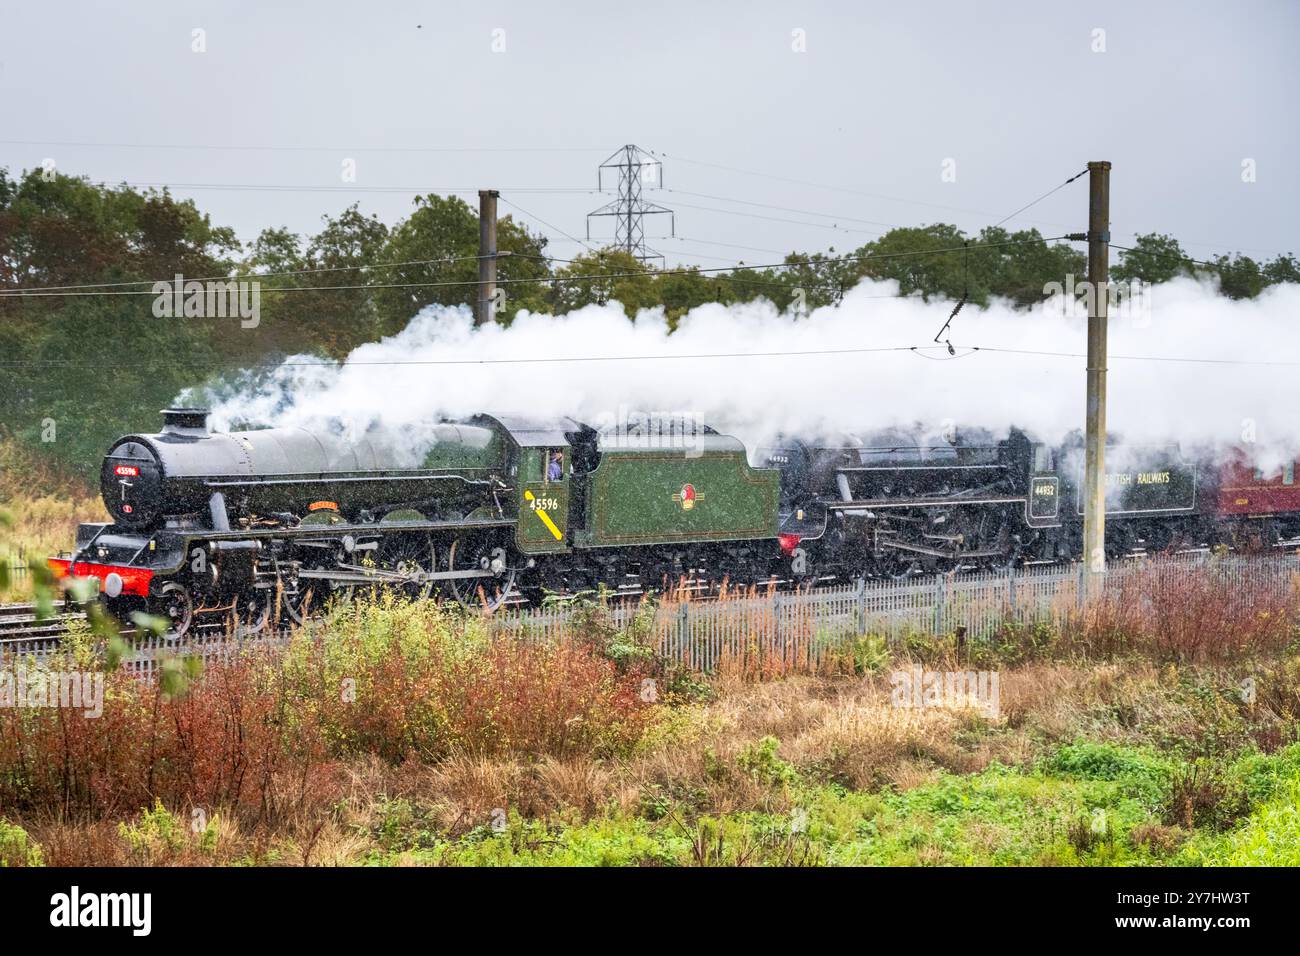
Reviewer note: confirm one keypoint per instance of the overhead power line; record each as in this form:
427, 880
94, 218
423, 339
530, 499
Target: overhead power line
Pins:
393, 265
510, 361
817, 185
266, 275
1054, 189
792, 353
310, 149
1176, 256
726, 245
347, 188
539, 219
806, 212
917, 202
26, 293
795, 222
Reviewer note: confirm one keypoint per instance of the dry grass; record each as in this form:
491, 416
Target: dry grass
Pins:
841, 730
847, 731
1159, 838
45, 506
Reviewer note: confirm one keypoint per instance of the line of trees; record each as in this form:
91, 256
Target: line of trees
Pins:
79, 369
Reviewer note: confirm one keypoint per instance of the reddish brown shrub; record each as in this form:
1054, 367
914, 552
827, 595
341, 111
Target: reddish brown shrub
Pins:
1175, 613
262, 733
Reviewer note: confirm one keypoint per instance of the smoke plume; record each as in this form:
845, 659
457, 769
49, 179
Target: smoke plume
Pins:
771, 372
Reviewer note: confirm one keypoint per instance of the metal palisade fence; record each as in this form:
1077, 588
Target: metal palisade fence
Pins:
17, 561
799, 629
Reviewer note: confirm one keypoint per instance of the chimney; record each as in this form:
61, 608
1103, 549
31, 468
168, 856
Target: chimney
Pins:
185, 422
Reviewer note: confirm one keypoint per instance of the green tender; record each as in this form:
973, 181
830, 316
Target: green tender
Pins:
665, 497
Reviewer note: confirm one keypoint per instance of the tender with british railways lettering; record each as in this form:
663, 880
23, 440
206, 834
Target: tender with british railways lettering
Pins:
254, 527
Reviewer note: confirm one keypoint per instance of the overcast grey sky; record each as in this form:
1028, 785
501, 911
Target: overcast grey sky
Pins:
880, 97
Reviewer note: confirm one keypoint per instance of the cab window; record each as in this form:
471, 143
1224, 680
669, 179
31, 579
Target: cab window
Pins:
553, 465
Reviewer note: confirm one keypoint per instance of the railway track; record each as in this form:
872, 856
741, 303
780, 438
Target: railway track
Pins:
20, 624
23, 622
20, 628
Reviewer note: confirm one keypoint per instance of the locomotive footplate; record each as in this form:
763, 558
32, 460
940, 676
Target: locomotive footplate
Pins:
336, 530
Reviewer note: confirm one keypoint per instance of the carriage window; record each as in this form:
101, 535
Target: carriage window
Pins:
1288, 473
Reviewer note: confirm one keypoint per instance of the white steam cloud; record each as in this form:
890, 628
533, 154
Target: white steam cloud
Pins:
440, 366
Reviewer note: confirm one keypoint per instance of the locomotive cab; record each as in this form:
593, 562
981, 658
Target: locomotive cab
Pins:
542, 464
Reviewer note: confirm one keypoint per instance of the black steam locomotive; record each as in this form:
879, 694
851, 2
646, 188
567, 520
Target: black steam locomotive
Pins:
258, 526
893, 503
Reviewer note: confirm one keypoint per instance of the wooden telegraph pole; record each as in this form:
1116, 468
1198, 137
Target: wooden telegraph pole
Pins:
487, 251
1094, 481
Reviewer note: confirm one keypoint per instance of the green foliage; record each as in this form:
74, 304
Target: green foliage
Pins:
626, 646
1088, 760
100, 379
1240, 277
426, 680
760, 761
17, 848
210, 835
1152, 258
1264, 776
158, 836
1143, 772
1202, 794
155, 834
176, 675
870, 652
446, 228
1158, 258
927, 647
1270, 836
1089, 803
630, 645
403, 825
604, 842
1282, 269
617, 275
152, 623
98, 372
323, 312
1015, 642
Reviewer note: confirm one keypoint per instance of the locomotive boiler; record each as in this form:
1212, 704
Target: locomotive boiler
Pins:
187, 472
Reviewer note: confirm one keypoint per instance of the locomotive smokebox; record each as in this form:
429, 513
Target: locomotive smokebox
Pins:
186, 422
